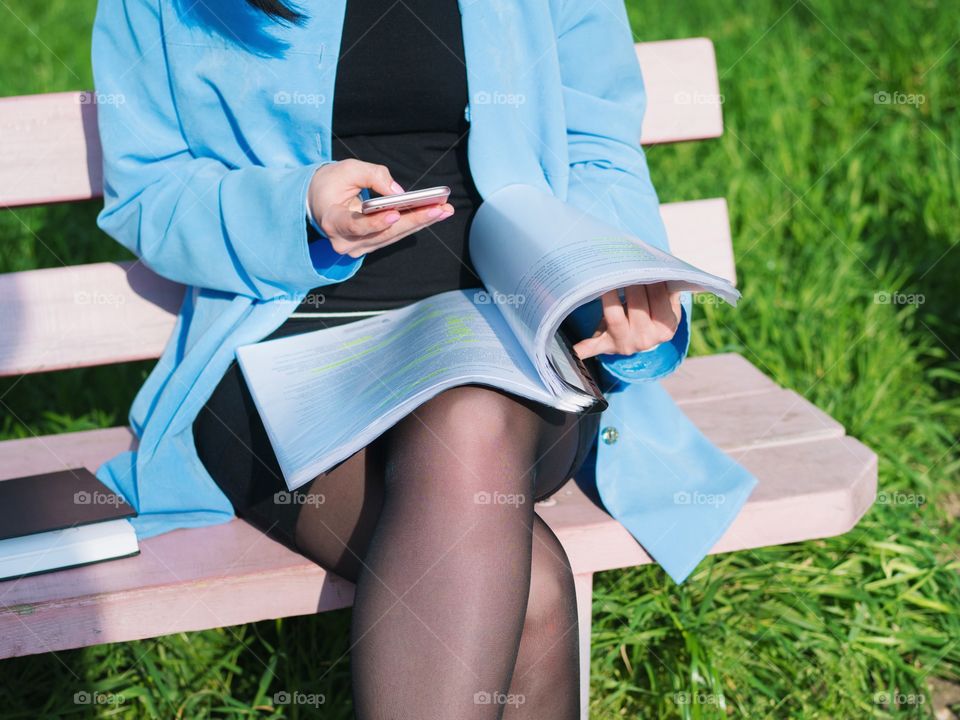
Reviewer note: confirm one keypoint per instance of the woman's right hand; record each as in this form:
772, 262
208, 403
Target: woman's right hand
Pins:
335, 205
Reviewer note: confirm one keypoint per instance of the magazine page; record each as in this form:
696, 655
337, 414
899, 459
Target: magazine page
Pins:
540, 259
324, 395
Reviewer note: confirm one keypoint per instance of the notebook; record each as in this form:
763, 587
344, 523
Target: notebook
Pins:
59, 520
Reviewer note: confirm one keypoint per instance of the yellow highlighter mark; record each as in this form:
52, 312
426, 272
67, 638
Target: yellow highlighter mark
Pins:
391, 338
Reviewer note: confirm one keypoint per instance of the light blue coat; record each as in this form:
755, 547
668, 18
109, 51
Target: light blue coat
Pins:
212, 129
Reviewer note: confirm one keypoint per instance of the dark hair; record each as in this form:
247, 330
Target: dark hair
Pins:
278, 10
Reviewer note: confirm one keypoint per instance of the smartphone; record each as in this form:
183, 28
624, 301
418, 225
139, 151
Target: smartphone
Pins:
407, 200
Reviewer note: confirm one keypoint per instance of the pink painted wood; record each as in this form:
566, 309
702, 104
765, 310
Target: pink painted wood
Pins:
683, 91
50, 149
84, 315
813, 484
699, 232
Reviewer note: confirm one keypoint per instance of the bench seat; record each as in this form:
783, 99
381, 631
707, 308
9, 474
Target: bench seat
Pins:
814, 482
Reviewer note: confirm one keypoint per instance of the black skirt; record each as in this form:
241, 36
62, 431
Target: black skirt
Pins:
233, 446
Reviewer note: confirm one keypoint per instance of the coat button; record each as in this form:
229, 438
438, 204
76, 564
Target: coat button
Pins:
609, 435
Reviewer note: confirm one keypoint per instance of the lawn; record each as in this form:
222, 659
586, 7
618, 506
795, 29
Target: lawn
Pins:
841, 166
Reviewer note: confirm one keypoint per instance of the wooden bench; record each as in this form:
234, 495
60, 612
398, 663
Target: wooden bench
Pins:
814, 481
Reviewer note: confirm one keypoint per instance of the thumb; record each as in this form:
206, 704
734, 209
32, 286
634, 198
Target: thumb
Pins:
362, 175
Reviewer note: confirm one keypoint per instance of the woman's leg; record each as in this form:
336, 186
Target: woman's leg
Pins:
444, 576
338, 520
546, 678
443, 594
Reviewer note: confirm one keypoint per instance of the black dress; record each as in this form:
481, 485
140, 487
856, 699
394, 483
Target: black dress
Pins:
400, 100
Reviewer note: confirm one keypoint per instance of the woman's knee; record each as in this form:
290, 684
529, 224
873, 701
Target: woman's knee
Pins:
480, 429
484, 413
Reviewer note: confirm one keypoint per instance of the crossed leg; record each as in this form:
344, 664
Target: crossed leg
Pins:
465, 605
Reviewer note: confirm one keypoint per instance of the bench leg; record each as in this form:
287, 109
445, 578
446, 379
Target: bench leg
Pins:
584, 584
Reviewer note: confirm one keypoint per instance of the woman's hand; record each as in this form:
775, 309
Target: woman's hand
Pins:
649, 316
335, 205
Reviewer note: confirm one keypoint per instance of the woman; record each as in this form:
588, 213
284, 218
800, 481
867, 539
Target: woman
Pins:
233, 165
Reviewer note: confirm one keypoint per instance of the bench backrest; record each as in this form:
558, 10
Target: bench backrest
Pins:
104, 313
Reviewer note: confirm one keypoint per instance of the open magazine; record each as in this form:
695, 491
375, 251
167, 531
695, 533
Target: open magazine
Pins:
326, 394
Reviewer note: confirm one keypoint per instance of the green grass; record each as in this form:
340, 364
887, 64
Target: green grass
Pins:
834, 199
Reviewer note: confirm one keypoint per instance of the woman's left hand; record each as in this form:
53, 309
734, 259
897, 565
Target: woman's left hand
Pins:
649, 316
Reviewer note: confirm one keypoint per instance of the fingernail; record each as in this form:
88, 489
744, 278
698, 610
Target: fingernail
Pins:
392, 218
434, 212
396, 188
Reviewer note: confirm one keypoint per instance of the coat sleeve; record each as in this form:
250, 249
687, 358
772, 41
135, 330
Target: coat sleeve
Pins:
604, 101
193, 219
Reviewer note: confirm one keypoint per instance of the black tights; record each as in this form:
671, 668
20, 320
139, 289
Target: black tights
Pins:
465, 605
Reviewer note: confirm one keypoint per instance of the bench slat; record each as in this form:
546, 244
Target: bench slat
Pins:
701, 381
810, 486
791, 477
807, 490
777, 417
59, 318
50, 150
810, 490
683, 90
699, 232
716, 377
240, 576
84, 315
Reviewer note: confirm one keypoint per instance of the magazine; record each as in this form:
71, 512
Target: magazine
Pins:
324, 395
